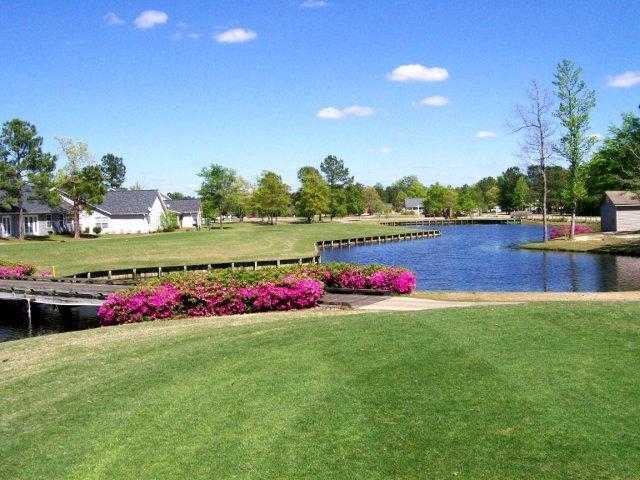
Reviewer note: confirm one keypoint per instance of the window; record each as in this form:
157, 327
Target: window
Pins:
48, 219
31, 224
102, 222
5, 227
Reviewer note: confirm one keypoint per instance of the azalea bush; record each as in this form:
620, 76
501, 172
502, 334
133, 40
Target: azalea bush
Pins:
204, 297
231, 292
332, 275
17, 270
559, 231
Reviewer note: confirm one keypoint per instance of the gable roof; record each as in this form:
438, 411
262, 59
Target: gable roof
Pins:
187, 205
128, 202
34, 206
623, 198
413, 202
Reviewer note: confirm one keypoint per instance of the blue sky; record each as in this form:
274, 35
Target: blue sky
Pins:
174, 86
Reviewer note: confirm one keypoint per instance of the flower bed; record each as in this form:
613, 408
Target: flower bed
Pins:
229, 292
20, 270
559, 231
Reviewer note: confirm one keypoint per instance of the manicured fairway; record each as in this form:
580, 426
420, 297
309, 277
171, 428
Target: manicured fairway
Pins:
549, 391
246, 241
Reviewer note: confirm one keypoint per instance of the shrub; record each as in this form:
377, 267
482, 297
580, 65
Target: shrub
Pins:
168, 221
17, 270
205, 298
97, 229
559, 231
230, 292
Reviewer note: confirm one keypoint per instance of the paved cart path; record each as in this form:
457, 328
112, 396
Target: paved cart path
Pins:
395, 304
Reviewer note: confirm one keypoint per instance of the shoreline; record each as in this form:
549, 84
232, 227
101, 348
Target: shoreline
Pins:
596, 243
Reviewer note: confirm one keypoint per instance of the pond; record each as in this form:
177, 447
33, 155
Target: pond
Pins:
485, 258
44, 319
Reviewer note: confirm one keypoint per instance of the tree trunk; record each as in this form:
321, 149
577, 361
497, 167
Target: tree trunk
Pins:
545, 232
574, 208
76, 221
220, 221
20, 217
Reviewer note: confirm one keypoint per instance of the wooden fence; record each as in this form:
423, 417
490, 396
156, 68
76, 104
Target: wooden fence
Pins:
142, 272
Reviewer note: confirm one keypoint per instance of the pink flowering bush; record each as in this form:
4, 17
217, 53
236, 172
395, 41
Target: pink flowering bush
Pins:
204, 298
17, 270
370, 277
141, 304
559, 231
233, 292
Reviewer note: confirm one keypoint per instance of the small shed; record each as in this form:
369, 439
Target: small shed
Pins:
414, 205
620, 211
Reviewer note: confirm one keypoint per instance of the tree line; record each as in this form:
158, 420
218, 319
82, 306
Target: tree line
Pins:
329, 191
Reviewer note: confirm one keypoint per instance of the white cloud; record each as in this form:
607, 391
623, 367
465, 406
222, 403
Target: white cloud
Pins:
358, 111
333, 113
314, 4
625, 80
418, 73
236, 35
485, 134
434, 101
112, 18
150, 18
385, 150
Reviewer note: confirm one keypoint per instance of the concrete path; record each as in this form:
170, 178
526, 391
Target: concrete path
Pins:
395, 304
407, 304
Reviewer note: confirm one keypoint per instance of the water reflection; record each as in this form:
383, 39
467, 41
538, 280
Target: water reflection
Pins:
14, 323
483, 258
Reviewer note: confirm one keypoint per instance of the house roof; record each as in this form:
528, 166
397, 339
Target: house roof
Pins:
623, 198
187, 205
128, 202
34, 206
413, 202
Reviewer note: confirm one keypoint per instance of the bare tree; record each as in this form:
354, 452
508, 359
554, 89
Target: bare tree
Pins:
534, 121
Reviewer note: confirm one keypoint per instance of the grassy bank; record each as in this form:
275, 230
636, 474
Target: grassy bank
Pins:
597, 243
530, 391
236, 241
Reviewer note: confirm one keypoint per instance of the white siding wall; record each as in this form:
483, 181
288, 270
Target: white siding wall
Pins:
628, 219
116, 225
187, 221
154, 215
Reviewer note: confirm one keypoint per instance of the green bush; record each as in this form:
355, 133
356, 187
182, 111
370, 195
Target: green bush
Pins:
97, 229
168, 221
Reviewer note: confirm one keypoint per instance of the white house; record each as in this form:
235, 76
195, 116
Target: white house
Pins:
620, 212
188, 210
40, 219
122, 211
125, 211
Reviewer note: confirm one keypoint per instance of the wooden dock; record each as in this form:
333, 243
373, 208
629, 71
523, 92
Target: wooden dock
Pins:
57, 292
348, 242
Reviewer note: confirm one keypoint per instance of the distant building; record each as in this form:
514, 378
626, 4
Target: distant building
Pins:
414, 205
39, 218
189, 211
620, 211
122, 211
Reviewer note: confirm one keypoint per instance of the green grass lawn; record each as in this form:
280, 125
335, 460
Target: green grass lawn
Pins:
246, 241
614, 245
547, 391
